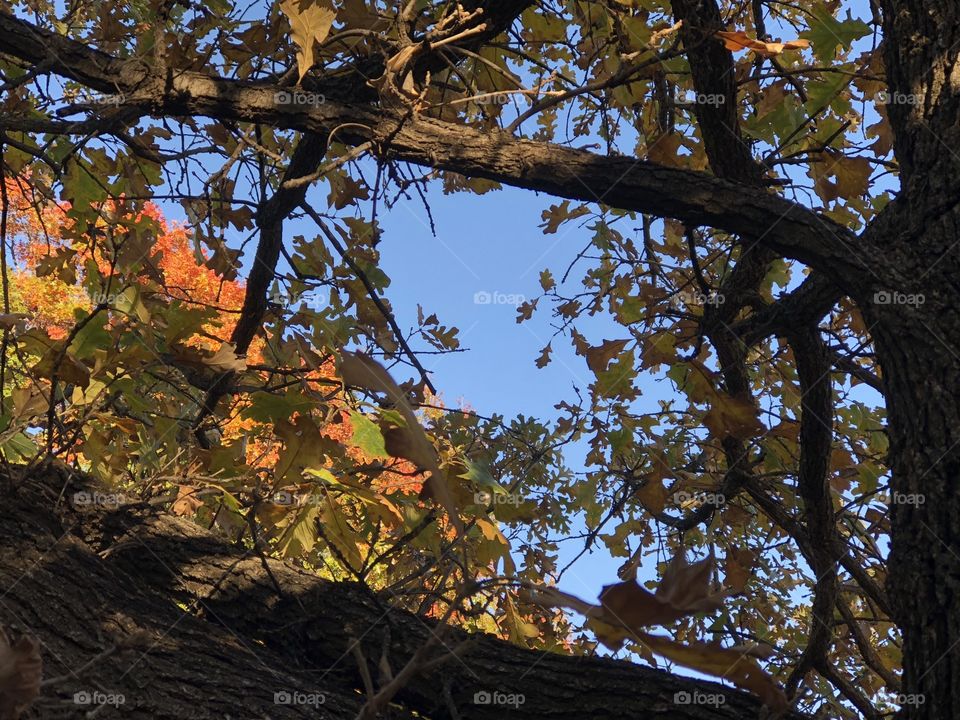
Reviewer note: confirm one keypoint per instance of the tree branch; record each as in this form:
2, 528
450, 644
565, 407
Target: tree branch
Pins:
697, 198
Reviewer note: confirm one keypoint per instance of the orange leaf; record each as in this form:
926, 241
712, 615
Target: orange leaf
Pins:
739, 40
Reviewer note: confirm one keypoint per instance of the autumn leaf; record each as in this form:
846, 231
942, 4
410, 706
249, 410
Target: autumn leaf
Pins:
739, 565
665, 150
30, 401
739, 40
225, 359
559, 214
736, 666
599, 357
546, 281
63, 366
544, 358
626, 608
338, 532
732, 416
683, 590
653, 495
367, 436
310, 22
187, 502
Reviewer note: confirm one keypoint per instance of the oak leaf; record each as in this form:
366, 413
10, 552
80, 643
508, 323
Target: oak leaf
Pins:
310, 22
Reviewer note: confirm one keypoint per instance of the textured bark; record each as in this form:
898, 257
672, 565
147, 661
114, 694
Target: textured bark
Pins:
85, 580
918, 346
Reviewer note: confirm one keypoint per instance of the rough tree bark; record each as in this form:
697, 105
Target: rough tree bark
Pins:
198, 630
918, 346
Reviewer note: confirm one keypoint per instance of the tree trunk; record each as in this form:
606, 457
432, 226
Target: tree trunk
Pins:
918, 349
916, 326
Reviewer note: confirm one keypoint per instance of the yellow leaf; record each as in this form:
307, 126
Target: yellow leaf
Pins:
310, 22
338, 532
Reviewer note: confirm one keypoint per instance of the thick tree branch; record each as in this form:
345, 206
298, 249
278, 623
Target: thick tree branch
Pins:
813, 487
786, 227
802, 307
214, 622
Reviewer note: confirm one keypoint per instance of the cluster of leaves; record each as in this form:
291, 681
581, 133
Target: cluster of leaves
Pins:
120, 331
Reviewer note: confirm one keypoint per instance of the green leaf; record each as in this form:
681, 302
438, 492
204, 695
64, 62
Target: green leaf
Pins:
827, 33
267, 407
92, 337
367, 436
480, 476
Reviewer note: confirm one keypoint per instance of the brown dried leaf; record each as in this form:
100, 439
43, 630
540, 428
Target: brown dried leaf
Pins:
600, 356
310, 22
739, 40
67, 368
